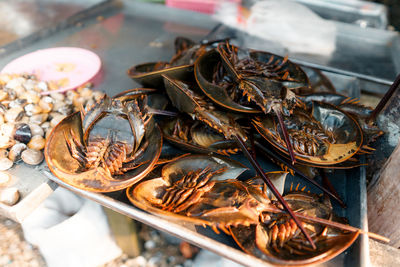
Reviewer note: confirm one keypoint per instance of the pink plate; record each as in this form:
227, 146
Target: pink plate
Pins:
68, 67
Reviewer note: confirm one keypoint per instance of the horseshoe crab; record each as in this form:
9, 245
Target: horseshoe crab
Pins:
111, 146
327, 136
203, 190
187, 51
196, 137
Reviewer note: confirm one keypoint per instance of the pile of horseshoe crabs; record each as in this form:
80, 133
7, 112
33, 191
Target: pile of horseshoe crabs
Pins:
216, 102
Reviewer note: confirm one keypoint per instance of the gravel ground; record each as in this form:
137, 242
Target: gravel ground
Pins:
14, 250
157, 251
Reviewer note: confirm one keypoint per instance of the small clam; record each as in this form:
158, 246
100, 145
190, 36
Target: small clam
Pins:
48, 131
3, 153
42, 86
20, 92
79, 102
17, 103
32, 156
6, 133
3, 108
23, 133
9, 196
32, 109
14, 114
7, 129
57, 96
36, 129
71, 95
86, 93
37, 142
58, 104
39, 118
32, 97
11, 95
5, 164
45, 125
13, 83
4, 178
3, 95
66, 109
46, 104
56, 119
6, 141
29, 84
5, 78
24, 119
15, 151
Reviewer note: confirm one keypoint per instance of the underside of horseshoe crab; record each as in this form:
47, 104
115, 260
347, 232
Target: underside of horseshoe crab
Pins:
327, 136
109, 147
196, 137
276, 238
202, 190
352, 107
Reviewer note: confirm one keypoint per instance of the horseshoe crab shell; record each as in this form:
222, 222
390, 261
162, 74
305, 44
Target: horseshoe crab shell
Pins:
345, 131
257, 239
68, 169
148, 195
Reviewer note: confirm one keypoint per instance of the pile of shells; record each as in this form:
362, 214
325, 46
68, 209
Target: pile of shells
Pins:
28, 112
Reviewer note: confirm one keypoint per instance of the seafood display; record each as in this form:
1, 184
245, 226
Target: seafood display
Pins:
218, 100
29, 110
204, 190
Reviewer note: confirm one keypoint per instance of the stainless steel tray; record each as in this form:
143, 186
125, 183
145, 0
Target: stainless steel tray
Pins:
141, 32
350, 185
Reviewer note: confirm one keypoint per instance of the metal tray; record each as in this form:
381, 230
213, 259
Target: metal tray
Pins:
350, 185
141, 32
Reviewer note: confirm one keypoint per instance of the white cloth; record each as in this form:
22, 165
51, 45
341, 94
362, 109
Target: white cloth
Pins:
206, 258
70, 231
288, 23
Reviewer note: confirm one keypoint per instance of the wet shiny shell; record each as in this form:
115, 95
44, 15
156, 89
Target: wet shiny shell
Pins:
256, 239
201, 139
23, 133
32, 156
5, 164
148, 195
204, 76
149, 74
15, 151
68, 169
204, 73
344, 129
9, 196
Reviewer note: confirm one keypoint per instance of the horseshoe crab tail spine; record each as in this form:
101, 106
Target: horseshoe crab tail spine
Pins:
329, 185
162, 112
285, 135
